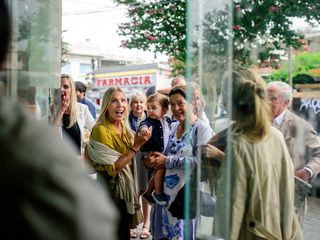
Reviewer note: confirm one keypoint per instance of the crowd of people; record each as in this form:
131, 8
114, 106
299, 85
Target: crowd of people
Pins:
136, 150
144, 146
146, 150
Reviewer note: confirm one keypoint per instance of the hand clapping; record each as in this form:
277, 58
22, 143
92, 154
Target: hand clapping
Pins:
142, 137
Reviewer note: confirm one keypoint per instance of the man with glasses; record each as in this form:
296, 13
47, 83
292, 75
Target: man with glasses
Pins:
301, 138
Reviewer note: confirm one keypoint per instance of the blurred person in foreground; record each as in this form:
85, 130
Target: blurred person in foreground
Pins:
81, 90
46, 193
111, 150
301, 138
262, 174
70, 118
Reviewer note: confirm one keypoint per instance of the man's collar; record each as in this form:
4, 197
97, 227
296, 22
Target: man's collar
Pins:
280, 118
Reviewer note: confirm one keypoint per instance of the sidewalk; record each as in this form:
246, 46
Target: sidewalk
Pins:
311, 225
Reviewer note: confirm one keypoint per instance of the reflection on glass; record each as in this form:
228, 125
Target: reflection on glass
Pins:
257, 35
34, 63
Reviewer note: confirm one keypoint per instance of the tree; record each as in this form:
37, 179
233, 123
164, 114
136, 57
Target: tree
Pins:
260, 27
158, 26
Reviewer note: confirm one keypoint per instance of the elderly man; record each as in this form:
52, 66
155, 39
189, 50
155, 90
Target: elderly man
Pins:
178, 81
301, 138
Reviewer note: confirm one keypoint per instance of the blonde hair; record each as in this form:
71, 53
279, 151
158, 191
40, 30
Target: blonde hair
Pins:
107, 97
137, 96
193, 88
253, 115
73, 100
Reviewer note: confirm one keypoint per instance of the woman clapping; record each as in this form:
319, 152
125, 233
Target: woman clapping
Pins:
111, 150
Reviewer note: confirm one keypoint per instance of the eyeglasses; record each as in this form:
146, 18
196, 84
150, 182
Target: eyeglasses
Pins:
273, 98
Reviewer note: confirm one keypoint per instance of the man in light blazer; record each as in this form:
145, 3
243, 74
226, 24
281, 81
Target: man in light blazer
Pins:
301, 138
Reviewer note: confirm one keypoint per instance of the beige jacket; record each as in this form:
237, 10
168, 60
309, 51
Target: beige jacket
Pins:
262, 192
302, 142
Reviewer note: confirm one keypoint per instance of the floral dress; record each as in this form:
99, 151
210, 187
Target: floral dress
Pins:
163, 224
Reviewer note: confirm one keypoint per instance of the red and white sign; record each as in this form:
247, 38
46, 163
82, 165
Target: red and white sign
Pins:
142, 80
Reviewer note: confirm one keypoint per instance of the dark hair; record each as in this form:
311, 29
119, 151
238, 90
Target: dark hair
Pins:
5, 29
80, 87
151, 90
178, 90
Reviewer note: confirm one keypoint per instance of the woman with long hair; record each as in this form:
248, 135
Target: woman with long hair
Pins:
71, 118
262, 176
111, 149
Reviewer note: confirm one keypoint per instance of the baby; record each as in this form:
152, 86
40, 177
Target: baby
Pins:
157, 107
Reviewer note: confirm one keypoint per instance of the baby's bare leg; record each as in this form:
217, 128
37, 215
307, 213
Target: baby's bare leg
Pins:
158, 180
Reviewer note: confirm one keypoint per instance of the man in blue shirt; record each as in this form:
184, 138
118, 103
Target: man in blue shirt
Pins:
81, 93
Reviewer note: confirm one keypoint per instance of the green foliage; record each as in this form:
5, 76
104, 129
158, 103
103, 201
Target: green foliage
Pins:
157, 25
260, 28
178, 67
302, 63
279, 75
305, 61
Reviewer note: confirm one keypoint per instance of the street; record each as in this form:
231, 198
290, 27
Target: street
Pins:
311, 225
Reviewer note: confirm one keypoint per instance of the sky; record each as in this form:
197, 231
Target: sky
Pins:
98, 21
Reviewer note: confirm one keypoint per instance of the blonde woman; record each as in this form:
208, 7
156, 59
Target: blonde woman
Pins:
137, 113
262, 177
111, 149
198, 102
71, 118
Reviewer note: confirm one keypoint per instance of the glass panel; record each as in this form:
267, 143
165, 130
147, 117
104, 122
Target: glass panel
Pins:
34, 59
261, 36
209, 60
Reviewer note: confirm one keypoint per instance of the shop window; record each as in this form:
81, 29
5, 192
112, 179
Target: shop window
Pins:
85, 68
